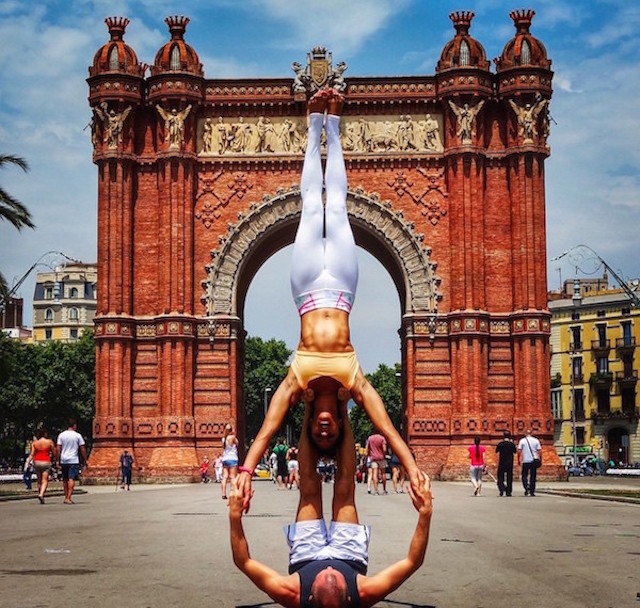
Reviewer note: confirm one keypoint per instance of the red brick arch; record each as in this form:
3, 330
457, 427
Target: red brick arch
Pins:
459, 224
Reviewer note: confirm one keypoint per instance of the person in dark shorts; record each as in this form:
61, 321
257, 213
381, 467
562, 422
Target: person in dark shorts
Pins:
506, 450
70, 446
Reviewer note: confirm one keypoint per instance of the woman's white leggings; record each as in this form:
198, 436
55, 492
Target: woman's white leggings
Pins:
329, 262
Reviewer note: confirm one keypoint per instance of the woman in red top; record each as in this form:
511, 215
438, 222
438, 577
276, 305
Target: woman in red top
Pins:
42, 449
476, 454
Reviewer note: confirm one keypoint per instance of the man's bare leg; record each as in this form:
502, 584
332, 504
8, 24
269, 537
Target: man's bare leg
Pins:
344, 491
310, 503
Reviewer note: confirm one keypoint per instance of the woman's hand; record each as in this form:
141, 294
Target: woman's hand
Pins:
242, 485
236, 499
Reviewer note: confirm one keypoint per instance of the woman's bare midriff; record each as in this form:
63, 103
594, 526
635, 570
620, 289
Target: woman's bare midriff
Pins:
325, 330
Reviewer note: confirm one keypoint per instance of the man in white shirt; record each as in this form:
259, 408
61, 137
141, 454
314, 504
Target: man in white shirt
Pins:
70, 445
529, 450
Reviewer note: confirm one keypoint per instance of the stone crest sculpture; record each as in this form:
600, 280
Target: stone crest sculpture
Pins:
319, 73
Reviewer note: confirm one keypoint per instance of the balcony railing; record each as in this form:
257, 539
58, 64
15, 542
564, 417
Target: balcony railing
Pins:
575, 347
626, 343
627, 376
600, 416
601, 379
601, 345
578, 378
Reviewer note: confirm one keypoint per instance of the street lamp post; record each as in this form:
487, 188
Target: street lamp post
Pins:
577, 299
267, 390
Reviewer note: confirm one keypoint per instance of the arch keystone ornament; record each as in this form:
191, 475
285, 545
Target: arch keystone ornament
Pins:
193, 199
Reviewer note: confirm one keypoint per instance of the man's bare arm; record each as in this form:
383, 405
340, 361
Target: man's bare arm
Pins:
375, 588
284, 590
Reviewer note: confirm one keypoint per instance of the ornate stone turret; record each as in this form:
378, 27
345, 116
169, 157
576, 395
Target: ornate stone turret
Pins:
116, 56
464, 79
523, 66
463, 50
116, 74
176, 55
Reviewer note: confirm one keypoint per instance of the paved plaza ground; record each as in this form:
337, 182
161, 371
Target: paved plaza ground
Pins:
168, 546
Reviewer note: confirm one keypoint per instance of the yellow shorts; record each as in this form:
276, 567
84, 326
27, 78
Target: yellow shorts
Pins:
308, 366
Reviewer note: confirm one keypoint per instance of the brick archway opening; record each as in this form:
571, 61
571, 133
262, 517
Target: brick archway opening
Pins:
271, 226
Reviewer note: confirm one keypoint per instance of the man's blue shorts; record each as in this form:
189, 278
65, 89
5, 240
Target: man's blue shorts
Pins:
70, 471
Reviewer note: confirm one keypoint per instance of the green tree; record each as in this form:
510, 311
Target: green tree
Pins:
12, 210
265, 367
386, 381
44, 383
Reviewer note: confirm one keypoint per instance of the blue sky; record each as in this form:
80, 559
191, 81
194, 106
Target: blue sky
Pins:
592, 176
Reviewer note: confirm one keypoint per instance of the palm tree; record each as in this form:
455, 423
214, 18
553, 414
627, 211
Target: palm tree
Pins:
12, 210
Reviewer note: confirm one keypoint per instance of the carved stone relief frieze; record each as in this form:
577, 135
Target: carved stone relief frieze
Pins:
283, 136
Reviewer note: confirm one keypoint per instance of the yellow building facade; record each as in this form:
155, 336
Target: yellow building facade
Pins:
594, 369
64, 302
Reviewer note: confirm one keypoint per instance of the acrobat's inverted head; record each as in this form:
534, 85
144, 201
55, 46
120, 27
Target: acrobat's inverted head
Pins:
326, 397
329, 589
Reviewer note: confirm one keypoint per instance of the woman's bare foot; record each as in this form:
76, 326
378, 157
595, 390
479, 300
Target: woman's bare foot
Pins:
336, 103
318, 103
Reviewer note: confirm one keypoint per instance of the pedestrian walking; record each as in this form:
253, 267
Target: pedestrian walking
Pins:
476, 454
40, 458
126, 469
229, 458
506, 450
529, 450
70, 446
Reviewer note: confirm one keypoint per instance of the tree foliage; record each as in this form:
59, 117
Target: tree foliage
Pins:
265, 367
387, 382
13, 211
45, 383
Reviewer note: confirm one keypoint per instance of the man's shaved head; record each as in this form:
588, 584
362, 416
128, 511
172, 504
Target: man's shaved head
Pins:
329, 590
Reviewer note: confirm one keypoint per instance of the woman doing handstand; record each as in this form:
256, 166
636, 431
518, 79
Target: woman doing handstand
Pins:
324, 277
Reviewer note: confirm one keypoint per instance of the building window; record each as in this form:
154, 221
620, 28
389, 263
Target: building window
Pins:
48, 315
73, 333
464, 53
602, 333
626, 311
578, 396
48, 293
525, 53
47, 334
73, 314
556, 403
580, 435
73, 292
604, 403
626, 333
628, 400
575, 316
602, 313
113, 58
175, 58
577, 370
576, 340
603, 365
